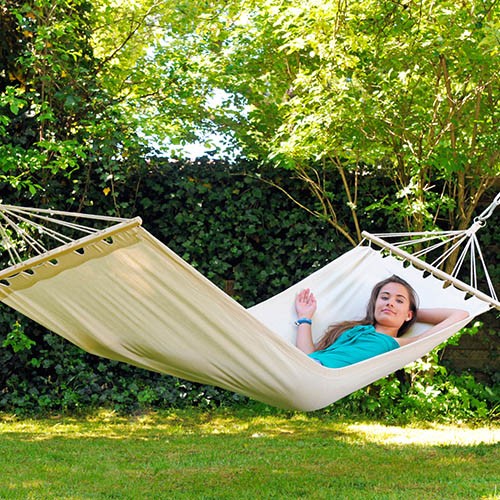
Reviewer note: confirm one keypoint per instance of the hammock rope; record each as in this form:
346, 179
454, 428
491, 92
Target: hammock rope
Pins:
25, 221
417, 246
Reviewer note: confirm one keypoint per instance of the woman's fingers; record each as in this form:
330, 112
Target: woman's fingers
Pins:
307, 296
305, 302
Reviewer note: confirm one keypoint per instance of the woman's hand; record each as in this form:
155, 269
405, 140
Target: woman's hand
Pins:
305, 304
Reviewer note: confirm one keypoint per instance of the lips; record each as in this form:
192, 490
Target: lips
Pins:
388, 311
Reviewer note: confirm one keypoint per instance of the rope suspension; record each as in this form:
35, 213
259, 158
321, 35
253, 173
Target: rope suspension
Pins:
30, 228
25, 228
432, 250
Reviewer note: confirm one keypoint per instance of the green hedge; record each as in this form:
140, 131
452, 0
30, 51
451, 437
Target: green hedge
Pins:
244, 235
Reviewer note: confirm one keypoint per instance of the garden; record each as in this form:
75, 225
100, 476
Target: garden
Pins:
310, 122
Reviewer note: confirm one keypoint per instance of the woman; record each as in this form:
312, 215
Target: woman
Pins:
392, 309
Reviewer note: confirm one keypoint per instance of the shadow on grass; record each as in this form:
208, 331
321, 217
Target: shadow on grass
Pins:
243, 454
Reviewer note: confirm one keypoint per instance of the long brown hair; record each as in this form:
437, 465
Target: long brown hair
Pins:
334, 331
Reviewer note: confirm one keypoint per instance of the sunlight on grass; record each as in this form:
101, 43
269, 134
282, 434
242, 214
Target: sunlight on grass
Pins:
153, 424
430, 435
243, 454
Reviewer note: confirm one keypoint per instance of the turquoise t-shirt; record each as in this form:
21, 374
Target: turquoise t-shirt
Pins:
354, 345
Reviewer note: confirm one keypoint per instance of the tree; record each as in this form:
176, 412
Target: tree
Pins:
57, 122
412, 87
409, 88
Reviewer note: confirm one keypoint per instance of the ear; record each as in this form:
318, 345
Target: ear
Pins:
410, 316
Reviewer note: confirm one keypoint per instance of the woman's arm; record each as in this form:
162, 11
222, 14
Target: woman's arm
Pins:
439, 317
305, 305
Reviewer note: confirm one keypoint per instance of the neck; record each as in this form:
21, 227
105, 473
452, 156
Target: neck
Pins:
393, 332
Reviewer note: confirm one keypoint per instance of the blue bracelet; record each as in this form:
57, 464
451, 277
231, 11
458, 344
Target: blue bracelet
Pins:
301, 321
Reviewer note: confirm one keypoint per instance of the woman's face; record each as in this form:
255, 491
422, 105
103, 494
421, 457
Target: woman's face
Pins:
392, 307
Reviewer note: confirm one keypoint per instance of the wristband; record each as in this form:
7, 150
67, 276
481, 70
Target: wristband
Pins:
301, 321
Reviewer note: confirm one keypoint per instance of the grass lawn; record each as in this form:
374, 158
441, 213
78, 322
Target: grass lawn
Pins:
243, 454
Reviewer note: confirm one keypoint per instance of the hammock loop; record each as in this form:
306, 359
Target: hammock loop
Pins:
481, 219
478, 224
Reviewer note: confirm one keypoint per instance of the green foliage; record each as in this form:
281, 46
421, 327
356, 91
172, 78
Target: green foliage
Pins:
17, 340
425, 390
55, 117
241, 233
353, 87
403, 81
408, 88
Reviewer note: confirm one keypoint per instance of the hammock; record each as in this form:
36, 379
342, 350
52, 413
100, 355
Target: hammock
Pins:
122, 294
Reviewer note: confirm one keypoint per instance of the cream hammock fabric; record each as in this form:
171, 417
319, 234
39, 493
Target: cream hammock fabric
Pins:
122, 294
